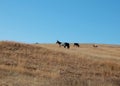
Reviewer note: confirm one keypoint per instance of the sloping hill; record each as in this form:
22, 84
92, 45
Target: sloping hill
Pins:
49, 65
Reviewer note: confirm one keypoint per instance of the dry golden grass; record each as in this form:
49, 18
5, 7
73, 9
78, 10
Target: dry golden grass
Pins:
49, 65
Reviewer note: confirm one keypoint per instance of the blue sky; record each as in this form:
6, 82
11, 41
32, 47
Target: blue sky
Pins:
45, 21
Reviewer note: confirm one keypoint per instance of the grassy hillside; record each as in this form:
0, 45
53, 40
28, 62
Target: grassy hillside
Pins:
49, 65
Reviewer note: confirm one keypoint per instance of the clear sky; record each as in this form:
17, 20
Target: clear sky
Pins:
45, 21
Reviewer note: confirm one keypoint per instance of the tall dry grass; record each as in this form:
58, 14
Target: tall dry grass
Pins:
48, 65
